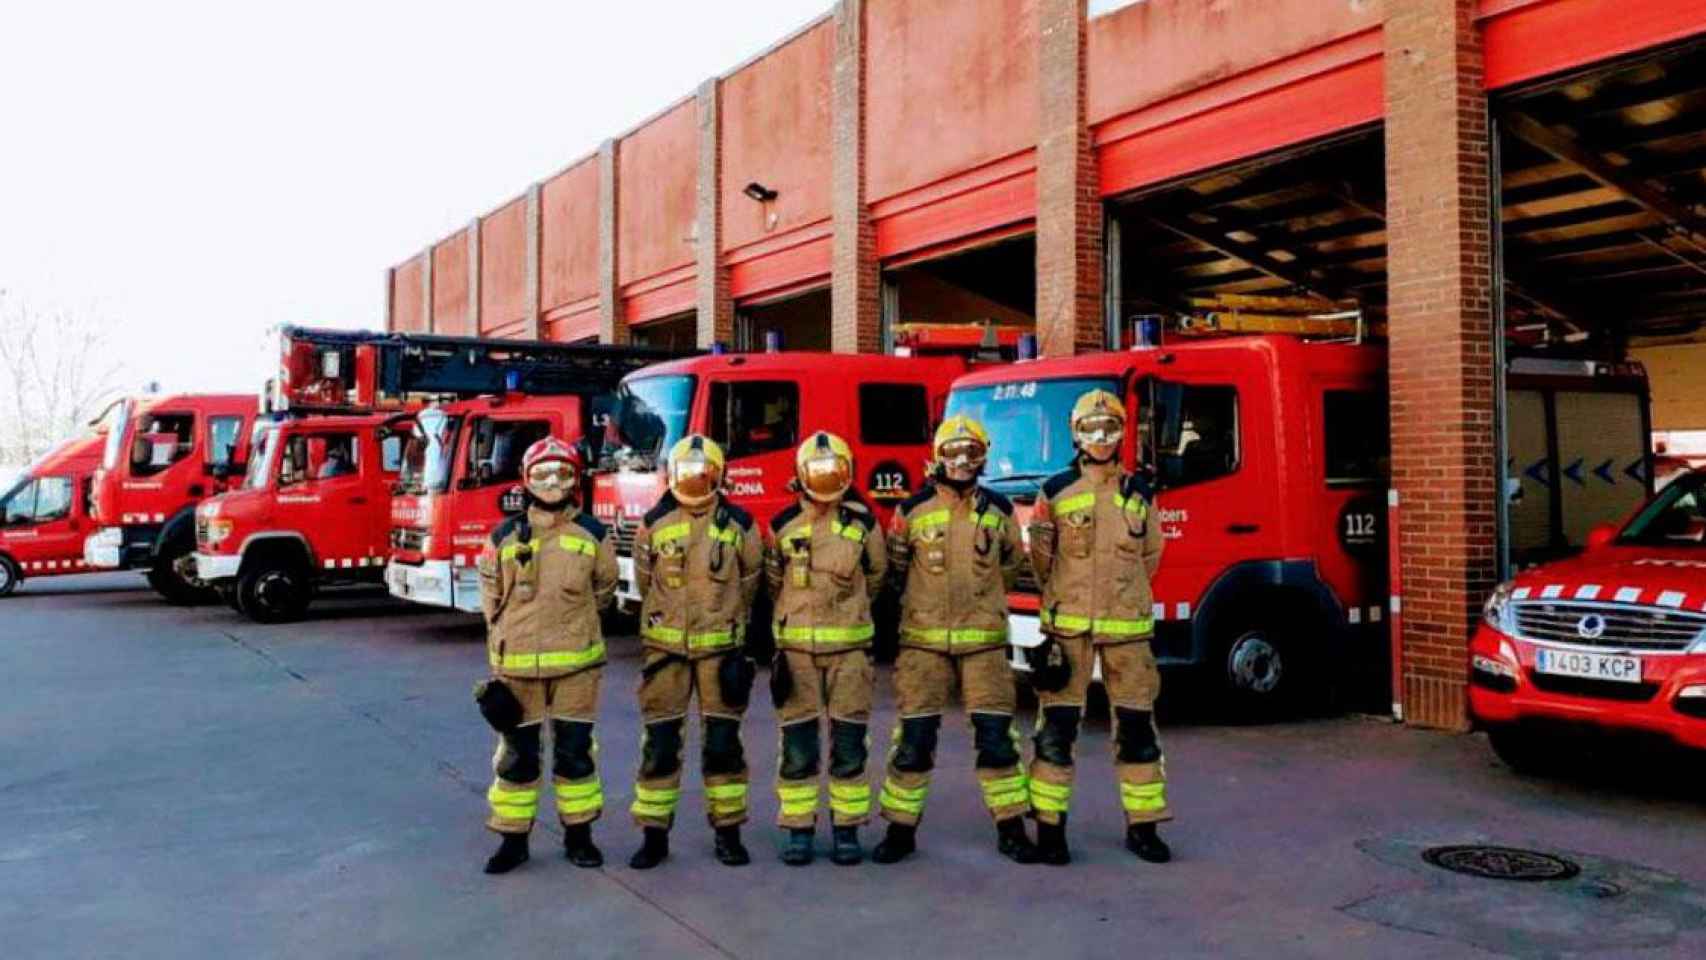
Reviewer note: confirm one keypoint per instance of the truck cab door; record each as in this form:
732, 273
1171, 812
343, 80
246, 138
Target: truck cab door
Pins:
757, 421
42, 526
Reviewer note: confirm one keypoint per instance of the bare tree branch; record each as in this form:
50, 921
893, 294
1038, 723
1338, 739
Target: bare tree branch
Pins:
57, 369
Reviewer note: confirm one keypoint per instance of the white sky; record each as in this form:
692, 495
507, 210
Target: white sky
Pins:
203, 171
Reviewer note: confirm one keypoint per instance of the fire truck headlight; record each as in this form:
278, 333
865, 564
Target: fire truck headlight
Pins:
217, 532
1498, 613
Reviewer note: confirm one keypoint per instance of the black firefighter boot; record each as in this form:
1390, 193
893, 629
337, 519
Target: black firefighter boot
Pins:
1051, 843
897, 844
578, 846
730, 851
654, 849
798, 851
1013, 843
511, 853
1141, 839
846, 852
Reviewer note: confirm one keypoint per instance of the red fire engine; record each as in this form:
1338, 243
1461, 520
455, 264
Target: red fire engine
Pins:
44, 516
1613, 639
162, 456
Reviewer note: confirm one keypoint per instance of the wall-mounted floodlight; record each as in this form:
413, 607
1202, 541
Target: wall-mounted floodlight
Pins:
759, 192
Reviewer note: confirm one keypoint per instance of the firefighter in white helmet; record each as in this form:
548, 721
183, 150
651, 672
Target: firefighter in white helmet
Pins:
697, 559
1095, 545
824, 562
954, 552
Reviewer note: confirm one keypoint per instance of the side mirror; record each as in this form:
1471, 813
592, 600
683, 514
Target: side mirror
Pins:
1602, 535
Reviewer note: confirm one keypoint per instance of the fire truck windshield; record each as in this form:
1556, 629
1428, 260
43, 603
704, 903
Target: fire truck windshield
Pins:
430, 452
118, 416
1030, 438
651, 414
1675, 518
261, 451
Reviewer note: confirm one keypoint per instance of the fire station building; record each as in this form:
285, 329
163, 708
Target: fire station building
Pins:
1473, 181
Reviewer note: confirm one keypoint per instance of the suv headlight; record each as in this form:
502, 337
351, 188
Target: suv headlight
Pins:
1498, 613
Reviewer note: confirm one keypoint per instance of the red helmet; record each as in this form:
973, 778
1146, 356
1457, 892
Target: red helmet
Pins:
547, 450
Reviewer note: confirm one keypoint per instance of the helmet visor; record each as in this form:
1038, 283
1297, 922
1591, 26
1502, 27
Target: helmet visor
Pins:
825, 478
693, 480
550, 475
963, 454
1100, 430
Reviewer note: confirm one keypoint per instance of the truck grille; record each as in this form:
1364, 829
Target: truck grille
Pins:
408, 538
625, 530
1619, 626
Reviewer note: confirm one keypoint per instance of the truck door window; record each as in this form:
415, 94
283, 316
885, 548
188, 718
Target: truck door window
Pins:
494, 452
53, 498
222, 434
19, 505
750, 417
893, 414
391, 452
1192, 436
1358, 437
161, 440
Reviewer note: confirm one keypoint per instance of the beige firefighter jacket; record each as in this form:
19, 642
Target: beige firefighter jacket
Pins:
542, 596
696, 573
1095, 546
953, 557
823, 567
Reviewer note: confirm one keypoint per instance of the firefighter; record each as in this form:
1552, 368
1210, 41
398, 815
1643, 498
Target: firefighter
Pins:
954, 551
824, 563
1094, 547
697, 560
544, 578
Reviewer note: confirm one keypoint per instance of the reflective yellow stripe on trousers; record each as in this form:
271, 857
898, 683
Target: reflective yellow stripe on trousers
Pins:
797, 800
1105, 626
905, 799
549, 659
1006, 791
707, 639
509, 804
850, 799
1052, 797
826, 634
1143, 797
951, 636
654, 803
730, 797
573, 798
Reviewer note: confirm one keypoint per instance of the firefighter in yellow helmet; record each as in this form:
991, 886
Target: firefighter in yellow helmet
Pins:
697, 561
544, 578
954, 551
1094, 547
824, 562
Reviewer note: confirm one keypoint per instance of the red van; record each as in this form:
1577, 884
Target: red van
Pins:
44, 516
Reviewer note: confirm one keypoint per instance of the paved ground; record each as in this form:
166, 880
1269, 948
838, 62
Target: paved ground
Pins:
182, 783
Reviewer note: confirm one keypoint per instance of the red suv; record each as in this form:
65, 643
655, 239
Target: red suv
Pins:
1614, 638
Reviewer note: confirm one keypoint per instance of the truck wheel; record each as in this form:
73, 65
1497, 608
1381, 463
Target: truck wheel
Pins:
274, 593
1262, 669
231, 596
167, 580
9, 576
1522, 751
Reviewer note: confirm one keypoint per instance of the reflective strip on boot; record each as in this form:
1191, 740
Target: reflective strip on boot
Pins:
850, 799
584, 797
798, 800
651, 802
1009, 791
729, 798
1143, 797
899, 798
511, 804
1052, 797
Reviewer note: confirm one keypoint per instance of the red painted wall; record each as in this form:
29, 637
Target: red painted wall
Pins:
406, 297
450, 285
951, 84
1150, 51
1527, 39
568, 236
503, 266
776, 132
658, 167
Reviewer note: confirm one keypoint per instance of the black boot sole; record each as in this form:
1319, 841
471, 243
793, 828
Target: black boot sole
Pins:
1149, 854
497, 868
1025, 855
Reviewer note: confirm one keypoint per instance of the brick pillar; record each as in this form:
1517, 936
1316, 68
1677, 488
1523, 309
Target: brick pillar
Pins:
855, 277
531, 294
716, 309
612, 328
426, 290
473, 324
1439, 256
390, 299
1069, 211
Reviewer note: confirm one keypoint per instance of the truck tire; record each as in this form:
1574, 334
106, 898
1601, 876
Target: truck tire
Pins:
10, 576
1523, 751
274, 591
1263, 667
171, 585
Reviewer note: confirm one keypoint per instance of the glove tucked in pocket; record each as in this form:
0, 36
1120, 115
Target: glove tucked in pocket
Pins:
498, 704
1050, 670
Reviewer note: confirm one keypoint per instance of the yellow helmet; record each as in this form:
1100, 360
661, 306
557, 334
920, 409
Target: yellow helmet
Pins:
961, 448
824, 464
695, 470
1098, 424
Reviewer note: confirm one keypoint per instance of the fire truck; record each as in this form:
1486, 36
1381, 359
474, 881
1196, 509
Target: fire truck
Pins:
162, 456
45, 514
758, 407
461, 467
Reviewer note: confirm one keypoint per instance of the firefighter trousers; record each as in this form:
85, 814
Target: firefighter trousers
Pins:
571, 705
1132, 681
667, 686
840, 684
924, 682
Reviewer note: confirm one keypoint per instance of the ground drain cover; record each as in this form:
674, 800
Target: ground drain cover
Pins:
1500, 863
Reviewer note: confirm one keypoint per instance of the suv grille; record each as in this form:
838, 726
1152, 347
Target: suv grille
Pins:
408, 538
625, 530
1619, 626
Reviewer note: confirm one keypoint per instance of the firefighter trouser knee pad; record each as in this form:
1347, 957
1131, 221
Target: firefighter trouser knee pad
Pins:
571, 750
846, 749
1058, 733
1136, 736
660, 754
800, 750
916, 750
722, 751
992, 736
519, 759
